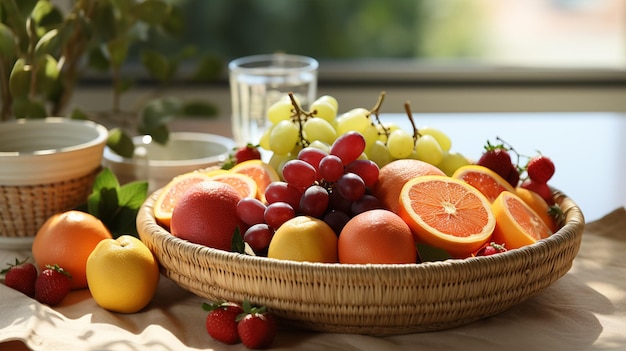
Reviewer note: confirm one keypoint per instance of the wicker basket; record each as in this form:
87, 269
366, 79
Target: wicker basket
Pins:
24, 208
370, 299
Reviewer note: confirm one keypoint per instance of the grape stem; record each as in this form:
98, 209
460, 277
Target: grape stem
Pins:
300, 116
376, 112
407, 108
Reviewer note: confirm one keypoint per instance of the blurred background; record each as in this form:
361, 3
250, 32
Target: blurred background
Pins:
484, 55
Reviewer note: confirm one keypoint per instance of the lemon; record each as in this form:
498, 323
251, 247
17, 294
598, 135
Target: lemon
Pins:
122, 274
304, 238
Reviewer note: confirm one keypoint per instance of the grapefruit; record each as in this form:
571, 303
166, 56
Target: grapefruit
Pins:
206, 214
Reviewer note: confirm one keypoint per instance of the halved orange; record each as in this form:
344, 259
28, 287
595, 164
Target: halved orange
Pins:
262, 174
517, 224
488, 182
537, 203
447, 213
171, 192
245, 186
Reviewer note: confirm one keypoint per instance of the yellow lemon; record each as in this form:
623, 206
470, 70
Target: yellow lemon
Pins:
122, 274
304, 238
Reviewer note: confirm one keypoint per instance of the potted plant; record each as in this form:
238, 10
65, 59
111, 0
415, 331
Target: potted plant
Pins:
45, 50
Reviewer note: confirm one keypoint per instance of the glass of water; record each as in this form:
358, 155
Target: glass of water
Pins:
256, 82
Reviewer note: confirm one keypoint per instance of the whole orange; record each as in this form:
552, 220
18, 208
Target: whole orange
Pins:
395, 174
206, 214
67, 239
376, 236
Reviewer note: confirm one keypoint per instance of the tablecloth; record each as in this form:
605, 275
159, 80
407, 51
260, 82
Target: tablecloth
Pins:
584, 310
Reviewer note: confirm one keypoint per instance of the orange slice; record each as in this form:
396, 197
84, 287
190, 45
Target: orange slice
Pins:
171, 192
447, 213
537, 203
517, 224
245, 186
262, 174
488, 182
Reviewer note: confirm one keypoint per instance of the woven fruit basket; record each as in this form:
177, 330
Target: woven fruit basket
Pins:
370, 299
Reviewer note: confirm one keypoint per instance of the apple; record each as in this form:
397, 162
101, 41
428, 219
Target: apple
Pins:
122, 274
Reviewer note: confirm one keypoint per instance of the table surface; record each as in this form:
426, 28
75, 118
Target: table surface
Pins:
584, 310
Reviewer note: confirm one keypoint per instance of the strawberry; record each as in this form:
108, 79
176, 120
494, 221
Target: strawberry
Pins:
221, 321
497, 159
21, 276
513, 177
540, 188
257, 327
246, 153
241, 154
491, 249
540, 169
52, 285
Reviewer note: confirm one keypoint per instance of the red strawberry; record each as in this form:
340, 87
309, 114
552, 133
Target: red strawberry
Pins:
497, 159
540, 188
257, 327
540, 169
491, 249
52, 285
221, 321
248, 152
21, 276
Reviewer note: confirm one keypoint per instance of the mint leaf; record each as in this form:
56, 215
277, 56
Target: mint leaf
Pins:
116, 206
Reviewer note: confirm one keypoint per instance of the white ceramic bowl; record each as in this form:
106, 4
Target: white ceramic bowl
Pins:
54, 149
184, 152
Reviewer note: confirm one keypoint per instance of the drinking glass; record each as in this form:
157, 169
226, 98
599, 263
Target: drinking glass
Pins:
257, 81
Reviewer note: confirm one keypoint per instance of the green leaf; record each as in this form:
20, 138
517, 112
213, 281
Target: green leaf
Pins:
98, 60
121, 143
103, 21
158, 65
428, 253
105, 180
209, 69
19, 80
24, 107
116, 206
8, 46
237, 243
47, 73
133, 194
49, 43
174, 23
198, 108
16, 13
118, 51
153, 12
160, 134
46, 16
79, 114
158, 112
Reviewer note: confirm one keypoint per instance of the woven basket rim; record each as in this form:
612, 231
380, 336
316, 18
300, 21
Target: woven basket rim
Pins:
573, 218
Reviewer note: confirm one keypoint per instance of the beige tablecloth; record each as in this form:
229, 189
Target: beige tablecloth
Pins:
584, 310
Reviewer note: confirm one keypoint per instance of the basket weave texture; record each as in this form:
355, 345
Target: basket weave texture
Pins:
24, 208
369, 299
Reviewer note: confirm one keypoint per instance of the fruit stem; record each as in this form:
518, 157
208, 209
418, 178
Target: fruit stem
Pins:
407, 108
376, 111
300, 116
